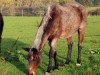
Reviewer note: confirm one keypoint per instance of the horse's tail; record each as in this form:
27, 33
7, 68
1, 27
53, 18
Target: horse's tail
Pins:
83, 13
83, 16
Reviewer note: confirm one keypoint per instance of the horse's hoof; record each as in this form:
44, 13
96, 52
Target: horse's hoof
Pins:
47, 73
56, 70
78, 65
62, 65
67, 62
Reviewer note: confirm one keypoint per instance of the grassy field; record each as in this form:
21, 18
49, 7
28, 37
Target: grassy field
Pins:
20, 32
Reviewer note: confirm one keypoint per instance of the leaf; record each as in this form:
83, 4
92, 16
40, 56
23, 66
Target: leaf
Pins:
92, 52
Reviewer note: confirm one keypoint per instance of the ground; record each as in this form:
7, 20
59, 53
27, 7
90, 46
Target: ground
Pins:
19, 32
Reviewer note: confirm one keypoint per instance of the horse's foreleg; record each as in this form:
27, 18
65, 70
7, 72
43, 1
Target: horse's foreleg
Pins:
52, 54
70, 44
55, 60
44, 40
80, 41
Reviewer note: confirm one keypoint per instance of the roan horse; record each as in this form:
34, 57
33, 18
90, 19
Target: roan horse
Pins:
1, 29
60, 21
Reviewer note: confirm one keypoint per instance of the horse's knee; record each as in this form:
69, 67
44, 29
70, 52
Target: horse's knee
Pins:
70, 45
80, 45
52, 53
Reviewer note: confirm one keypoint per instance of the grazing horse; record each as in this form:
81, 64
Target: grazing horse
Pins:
60, 21
1, 28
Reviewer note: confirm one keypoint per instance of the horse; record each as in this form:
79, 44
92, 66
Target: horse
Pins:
59, 21
1, 29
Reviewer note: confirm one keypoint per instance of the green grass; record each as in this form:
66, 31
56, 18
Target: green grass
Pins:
20, 32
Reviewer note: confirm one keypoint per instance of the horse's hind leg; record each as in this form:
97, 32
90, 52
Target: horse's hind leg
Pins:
52, 54
80, 41
70, 44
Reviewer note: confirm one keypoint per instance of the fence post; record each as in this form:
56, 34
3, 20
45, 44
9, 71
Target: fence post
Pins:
1, 10
22, 12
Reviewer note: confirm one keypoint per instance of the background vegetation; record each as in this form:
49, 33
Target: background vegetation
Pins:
35, 7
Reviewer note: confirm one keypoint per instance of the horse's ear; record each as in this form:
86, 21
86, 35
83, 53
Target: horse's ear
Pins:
35, 51
27, 49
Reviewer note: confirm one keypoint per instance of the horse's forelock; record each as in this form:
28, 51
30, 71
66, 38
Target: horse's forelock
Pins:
34, 50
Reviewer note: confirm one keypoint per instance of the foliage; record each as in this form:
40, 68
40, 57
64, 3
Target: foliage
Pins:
35, 7
94, 12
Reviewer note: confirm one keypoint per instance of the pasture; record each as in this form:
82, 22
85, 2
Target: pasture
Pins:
19, 32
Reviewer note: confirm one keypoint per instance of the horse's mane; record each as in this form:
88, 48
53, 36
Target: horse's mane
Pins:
41, 28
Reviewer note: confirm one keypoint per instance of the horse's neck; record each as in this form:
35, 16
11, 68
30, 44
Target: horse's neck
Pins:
40, 31
38, 39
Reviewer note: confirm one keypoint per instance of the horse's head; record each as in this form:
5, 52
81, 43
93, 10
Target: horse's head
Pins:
34, 58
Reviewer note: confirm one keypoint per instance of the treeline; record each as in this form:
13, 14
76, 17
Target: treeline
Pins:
35, 7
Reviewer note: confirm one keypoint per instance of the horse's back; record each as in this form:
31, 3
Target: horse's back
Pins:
66, 20
73, 18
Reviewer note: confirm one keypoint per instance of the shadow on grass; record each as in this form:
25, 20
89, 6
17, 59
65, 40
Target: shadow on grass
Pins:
11, 51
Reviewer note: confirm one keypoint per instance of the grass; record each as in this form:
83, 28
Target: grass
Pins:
20, 32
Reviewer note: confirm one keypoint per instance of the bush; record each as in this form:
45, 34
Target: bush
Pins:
94, 12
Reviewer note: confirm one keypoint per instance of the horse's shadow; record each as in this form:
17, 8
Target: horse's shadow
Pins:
11, 50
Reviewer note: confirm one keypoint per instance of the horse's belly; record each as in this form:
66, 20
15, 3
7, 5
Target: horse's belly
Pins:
68, 32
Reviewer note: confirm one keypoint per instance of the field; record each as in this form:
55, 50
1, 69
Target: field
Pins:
19, 32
